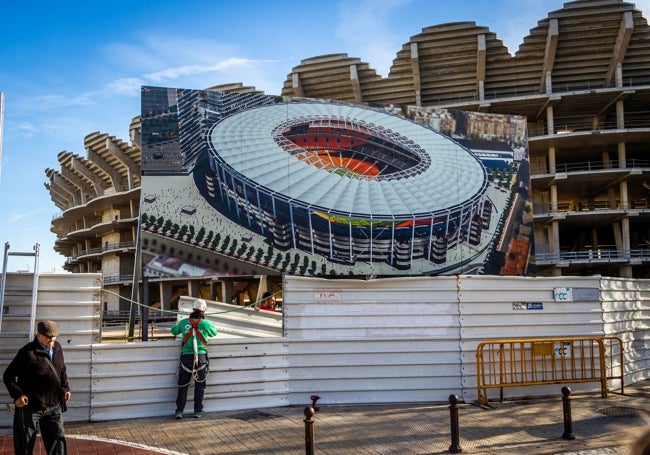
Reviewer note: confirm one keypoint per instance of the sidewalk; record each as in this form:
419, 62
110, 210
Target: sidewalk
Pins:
600, 426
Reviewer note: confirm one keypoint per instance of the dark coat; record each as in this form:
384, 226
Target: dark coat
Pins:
29, 373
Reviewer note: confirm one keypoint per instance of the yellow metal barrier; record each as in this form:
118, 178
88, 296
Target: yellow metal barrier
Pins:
539, 361
614, 359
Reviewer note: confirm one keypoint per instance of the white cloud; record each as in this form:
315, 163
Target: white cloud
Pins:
164, 50
50, 102
159, 58
19, 216
25, 127
190, 70
125, 86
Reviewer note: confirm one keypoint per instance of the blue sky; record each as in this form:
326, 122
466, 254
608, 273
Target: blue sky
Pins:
71, 68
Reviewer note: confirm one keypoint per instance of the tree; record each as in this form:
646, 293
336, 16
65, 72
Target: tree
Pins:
200, 235
183, 231
216, 240
233, 246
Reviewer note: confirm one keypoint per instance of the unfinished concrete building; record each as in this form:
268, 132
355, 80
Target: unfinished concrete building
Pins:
99, 199
582, 79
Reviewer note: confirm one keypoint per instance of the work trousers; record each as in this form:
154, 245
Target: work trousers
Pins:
27, 424
198, 373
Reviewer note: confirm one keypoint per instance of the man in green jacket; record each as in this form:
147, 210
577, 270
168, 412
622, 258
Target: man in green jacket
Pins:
194, 362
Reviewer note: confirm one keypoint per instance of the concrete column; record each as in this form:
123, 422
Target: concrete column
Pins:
620, 115
622, 155
612, 196
296, 84
553, 198
415, 70
551, 160
554, 244
554, 240
550, 123
193, 288
606, 162
594, 239
356, 86
165, 295
625, 234
626, 270
226, 291
625, 202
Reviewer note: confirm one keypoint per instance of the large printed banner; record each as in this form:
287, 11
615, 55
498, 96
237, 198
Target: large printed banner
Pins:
249, 184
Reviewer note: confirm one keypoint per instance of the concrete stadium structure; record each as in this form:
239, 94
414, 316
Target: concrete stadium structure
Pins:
99, 199
581, 78
362, 180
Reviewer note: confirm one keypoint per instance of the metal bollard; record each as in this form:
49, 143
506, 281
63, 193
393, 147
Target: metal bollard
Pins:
455, 428
566, 413
309, 424
309, 430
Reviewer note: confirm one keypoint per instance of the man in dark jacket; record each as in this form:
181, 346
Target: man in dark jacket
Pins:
38, 383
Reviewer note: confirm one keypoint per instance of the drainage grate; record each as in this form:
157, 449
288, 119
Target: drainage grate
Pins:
622, 411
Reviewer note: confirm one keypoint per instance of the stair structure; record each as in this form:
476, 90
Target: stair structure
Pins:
18, 295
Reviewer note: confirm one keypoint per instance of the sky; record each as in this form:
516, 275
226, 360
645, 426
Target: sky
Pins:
71, 68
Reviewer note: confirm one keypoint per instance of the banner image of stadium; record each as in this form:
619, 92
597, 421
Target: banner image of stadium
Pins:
248, 184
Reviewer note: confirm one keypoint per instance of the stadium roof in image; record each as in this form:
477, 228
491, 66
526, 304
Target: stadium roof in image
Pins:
445, 174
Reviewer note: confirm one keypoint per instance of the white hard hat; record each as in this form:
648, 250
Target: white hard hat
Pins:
200, 304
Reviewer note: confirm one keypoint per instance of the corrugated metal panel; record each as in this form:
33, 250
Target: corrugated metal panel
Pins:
335, 309
626, 314
348, 341
397, 370
376, 341
139, 379
495, 308
73, 300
